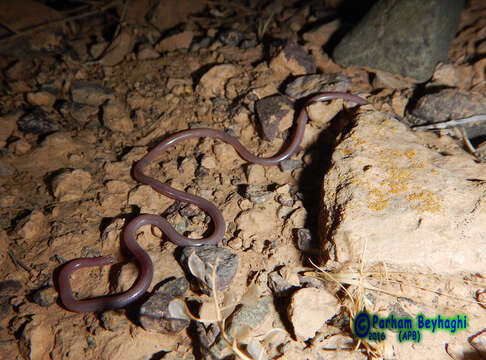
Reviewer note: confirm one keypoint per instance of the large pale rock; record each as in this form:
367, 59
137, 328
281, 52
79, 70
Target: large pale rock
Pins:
418, 200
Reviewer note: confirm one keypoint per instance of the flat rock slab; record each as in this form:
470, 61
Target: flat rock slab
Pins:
416, 199
449, 104
406, 37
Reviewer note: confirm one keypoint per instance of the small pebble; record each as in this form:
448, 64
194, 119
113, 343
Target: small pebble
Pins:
147, 52
116, 117
201, 43
38, 122
176, 287
199, 261
306, 85
248, 43
278, 285
90, 94
230, 37
45, 296
19, 147
257, 194
304, 239
289, 165
293, 59
155, 315
113, 319
285, 200
41, 98
70, 184
81, 113
209, 162
275, 114
96, 50
255, 174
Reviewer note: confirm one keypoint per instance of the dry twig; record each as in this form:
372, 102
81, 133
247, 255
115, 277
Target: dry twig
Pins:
450, 123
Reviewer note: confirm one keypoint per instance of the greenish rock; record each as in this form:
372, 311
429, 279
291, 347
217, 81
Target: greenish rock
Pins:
406, 37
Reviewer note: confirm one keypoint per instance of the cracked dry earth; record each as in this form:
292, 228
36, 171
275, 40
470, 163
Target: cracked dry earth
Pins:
67, 192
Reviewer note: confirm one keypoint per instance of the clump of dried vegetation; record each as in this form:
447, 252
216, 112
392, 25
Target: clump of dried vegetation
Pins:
224, 304
357, 283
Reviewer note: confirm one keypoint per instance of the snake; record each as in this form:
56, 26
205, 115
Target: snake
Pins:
129, 238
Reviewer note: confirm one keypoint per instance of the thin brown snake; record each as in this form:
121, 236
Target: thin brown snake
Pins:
129, 236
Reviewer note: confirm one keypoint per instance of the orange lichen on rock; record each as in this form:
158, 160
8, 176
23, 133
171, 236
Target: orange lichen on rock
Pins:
424, 201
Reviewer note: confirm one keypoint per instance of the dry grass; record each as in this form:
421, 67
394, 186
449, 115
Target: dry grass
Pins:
357, 283
224, 306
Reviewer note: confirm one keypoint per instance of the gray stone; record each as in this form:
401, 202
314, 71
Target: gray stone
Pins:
271, 111
90, 94
304, 239
278, 285
450, 104
39, 122
256, 194
176, 287
306, 85
201, 43
178, 356
189, 210
285, 200
155, 315
289, 165
248, 43
230, 37
204, 258
207, 333
406, 37
251, 316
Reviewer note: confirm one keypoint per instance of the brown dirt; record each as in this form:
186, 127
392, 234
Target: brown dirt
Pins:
40, 229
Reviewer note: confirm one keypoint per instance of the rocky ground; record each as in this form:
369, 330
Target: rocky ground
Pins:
82, 103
